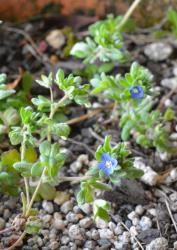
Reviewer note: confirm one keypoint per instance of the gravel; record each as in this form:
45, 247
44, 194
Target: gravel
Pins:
158, 51
158, 244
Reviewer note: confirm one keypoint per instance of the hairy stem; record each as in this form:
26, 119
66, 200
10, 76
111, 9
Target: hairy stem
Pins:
74, 178
128, 13
23, 149
35, 194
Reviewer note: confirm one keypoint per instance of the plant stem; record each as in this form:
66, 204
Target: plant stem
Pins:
74, 178
23, 149
34, 194
128, 13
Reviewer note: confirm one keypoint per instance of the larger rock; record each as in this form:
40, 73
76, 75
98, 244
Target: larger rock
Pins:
158, 51
158, 244
169, 83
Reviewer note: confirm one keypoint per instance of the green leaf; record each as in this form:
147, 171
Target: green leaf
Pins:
100, 186
45, 148
80, 50
30, 155
3, 78
10, 157
60, 76
47, 192
11, 116
46, 81
23, 167
16, 136
33, 227
61, 129
27, 80
37, 169
26, 114
169, 114
100, 209
5, 93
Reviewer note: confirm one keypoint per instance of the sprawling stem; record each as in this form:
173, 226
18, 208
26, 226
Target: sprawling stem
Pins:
52, 112
128, 13
23, 149
35, 194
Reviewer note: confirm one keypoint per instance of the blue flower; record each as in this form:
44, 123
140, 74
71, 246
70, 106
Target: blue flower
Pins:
108, 164
136, 92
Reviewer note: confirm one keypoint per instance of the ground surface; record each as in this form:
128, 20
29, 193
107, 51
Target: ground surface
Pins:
141, 215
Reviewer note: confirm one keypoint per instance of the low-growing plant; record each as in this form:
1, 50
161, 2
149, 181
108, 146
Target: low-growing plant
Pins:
136, 117
39, 129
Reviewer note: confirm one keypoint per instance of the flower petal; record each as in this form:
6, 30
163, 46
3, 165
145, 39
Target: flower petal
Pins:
105, 157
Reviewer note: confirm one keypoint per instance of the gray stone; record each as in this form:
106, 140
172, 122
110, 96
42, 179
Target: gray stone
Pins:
86, 222
48, 206
86, 208
58, 224
106, 233
71, 217
65, 240
145, 223
66, 207
158, 244
95, 234
76, 233
169, 83
158, 51
90, 244
54, 245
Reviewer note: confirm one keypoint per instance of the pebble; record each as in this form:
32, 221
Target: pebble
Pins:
90, 244
55, 39
158, 244
132, 215
158, 51
106, 233
54, 245
95, 234
48, 206
169, 83
65, 240
58, 224
86, 222
61, 197
145, 223
175, 245
139, 209
66, 207
72, 217
2, 223
76, 233
118, 230
126, 237
101, 223
86, 208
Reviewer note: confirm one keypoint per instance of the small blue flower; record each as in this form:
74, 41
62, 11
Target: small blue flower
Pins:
108, 164
136, 92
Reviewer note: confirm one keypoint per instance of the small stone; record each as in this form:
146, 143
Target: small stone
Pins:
112, 225
106, 233
2, 223
173, 174
48, 206
173, 196
86, 208
135, 222
169, 83
132, 215
158, 244
54, 245
90, 244
101, 223
76, 233
71, 217
65, 240
175, 245
133, 231
158, 51
95, 234
46, 218
118, 230
145, 223
58, 224
152, 211
76, 166
139, 209
126, 237
66, 207
55, 39
86, 222
61, 197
